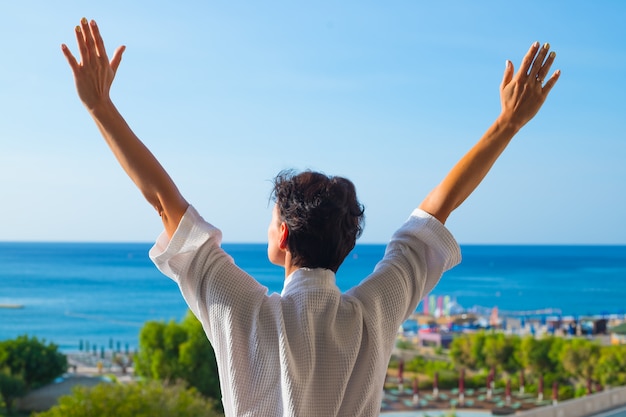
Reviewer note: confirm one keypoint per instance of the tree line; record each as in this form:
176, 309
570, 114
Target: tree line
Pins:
578, 365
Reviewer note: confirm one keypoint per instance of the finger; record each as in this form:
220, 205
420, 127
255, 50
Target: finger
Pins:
89, 42
551, 82
98, 42
70, 58
538, 62
117, 58
528, 59
545, 68
508, 74
82, 47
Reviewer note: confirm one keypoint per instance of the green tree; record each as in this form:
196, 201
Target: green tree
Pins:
478, 355
11, 388
555, 355
500, 352
461, 352
178, 351
31, 360
467, 351
611, 367
579, 358
150, 399
542, 356
197, 359
535, 354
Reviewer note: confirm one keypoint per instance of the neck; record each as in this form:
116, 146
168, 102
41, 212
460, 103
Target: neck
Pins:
290, 268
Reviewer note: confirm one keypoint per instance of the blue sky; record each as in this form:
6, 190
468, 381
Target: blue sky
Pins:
388, 94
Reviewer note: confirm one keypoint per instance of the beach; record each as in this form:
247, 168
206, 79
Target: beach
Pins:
84, 370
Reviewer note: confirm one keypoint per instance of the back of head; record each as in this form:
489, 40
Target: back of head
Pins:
323, 217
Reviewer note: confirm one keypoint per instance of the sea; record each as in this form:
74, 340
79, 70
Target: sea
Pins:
101, 294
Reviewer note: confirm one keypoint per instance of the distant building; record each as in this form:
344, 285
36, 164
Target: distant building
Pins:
618, 334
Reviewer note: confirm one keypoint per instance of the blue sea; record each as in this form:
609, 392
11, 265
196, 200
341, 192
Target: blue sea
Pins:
103, 293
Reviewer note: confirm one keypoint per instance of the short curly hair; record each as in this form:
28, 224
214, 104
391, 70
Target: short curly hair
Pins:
323, 217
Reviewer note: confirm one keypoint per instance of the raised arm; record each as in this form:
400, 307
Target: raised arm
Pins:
94, 75
521, 94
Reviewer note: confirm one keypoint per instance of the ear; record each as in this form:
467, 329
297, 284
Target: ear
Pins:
282, 237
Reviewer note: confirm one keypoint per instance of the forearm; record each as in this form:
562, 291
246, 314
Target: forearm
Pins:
471, 169
521, 95
140, 165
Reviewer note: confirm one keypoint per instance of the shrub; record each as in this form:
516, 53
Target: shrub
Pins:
150, 399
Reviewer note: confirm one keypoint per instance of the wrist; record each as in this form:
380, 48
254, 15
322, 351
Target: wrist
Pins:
100, 108
507, 124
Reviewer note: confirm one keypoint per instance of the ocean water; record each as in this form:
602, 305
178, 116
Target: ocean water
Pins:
103, 293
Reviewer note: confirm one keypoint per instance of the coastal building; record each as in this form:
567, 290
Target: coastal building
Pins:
618, 334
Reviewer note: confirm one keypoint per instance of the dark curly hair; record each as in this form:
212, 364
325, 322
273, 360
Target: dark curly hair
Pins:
323, 217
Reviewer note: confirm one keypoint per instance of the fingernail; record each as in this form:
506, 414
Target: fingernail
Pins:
83, 20
546, 45
536, 44
77, 29
552, 54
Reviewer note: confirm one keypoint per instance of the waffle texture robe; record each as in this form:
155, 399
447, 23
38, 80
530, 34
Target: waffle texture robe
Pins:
311, 350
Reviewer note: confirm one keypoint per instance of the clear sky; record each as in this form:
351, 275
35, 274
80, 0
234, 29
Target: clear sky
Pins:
388, 94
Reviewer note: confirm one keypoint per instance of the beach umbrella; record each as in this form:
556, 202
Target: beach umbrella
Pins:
416, 392
400, 370
80, 345
507, 392
555, 392
462, 381
540, 388
521, 381
588, 386
436, 384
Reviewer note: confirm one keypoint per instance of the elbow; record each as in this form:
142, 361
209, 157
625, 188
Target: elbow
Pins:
438, 208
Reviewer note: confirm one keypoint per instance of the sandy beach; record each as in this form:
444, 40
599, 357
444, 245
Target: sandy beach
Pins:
83, 370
